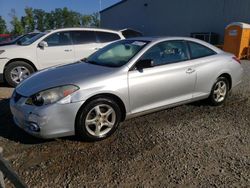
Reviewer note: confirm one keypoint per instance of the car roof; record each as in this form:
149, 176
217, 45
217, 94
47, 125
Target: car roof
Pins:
84, 29
163, 38
156, 39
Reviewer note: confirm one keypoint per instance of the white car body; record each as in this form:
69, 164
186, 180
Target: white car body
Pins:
43, 57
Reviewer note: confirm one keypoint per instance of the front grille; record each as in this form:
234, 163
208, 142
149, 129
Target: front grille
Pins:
17, 96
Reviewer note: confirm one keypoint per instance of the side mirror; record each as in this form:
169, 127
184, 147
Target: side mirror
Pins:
145, 63
43, 44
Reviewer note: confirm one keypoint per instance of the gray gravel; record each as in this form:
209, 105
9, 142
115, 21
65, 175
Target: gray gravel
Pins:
193, 145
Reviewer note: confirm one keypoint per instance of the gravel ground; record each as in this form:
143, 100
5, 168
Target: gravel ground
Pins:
193, 145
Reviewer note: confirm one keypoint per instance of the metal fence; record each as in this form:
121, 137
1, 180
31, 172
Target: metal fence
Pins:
6, 171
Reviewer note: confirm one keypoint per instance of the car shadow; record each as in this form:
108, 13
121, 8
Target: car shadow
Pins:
5, 85
10, 131
200, 103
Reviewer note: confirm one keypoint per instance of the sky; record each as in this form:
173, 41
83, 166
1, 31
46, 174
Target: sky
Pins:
81, 6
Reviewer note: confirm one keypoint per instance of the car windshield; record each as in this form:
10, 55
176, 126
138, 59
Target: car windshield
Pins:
117, 54
25, 38
33, 39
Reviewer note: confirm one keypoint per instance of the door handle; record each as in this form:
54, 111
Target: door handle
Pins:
190, 71
97, 48
68, 50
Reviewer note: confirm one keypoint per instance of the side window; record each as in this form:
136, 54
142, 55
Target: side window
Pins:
104, 37
59, 39
167, 52
83, 37
198, 50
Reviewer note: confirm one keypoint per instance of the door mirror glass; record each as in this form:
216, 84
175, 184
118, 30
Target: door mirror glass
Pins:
43, 44
145, 63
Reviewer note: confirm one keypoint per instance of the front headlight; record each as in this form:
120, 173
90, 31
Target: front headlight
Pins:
52, 95
2, 51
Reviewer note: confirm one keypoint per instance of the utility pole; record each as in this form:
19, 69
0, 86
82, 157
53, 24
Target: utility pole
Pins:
100, 8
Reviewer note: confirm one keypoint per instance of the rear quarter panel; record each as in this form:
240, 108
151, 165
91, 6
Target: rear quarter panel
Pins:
208, 70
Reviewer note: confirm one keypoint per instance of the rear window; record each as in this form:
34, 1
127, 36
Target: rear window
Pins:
104, 37
83, 37
128, 33
198, 50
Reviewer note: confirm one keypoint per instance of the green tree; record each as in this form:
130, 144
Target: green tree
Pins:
3, 28
40, 19
75, 19
58, 18
86, 20
95, 20
49, 21
17, 27
29, 21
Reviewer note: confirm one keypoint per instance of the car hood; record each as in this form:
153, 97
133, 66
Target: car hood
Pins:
6, 43
76, 73
9, 47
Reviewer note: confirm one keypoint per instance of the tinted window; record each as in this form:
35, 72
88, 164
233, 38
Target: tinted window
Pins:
131, 33
167, 52
59, 39
83, 37
198, 50
107, 37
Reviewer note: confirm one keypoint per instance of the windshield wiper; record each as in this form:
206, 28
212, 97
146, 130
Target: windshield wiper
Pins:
90, 62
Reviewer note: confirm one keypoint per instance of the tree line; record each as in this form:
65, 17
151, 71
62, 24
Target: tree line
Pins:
38, 19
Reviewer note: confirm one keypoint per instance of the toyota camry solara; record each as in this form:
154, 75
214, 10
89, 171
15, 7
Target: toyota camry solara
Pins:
125, 79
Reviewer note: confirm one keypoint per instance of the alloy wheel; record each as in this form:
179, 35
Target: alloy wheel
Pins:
100, 120
220, 91
19, 73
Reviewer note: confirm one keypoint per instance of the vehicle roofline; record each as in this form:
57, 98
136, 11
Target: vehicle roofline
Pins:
157, 39
83, 29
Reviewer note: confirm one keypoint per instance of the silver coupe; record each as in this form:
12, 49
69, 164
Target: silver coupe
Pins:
125, 79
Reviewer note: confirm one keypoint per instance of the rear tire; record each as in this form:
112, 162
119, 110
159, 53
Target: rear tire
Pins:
17, 71
98, 119
219, 92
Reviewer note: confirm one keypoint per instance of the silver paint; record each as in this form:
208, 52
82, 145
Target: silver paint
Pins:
141, 92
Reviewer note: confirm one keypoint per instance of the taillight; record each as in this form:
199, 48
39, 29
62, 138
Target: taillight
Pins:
236, 59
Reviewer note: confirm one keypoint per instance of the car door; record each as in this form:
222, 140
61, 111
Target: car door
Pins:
206, 64
171, 79
59, 50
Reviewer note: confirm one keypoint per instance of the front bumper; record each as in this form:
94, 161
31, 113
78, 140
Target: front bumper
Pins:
55, 120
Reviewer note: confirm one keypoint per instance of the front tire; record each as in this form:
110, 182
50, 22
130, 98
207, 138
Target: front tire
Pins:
17, 71
98, 119
219, 92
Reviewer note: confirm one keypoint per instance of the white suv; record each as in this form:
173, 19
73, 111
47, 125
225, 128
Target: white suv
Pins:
52, 48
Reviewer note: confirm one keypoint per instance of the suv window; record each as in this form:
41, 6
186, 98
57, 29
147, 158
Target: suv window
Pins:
198, 50
167, 52
107, 37
83, 37
59, 39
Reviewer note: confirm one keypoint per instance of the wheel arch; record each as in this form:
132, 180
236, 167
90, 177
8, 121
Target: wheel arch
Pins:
228, 77
114, 97
21, 59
